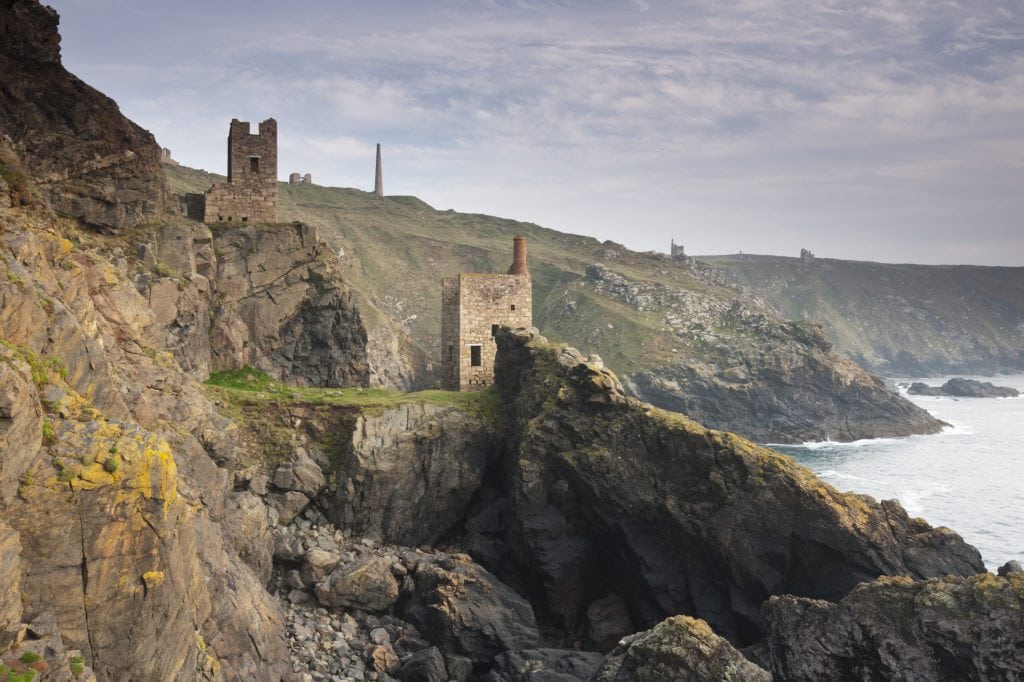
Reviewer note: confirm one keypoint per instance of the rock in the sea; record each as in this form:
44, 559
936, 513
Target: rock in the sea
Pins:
1011, 566
964, 388
681, 519
464, 610
545, 665
680, 649
897, 629
366, 583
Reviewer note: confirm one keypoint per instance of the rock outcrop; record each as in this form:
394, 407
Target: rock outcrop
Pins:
752, 374
610, 494
679, 648
408, 473
88, 160
896, 629
270, 296
964, 388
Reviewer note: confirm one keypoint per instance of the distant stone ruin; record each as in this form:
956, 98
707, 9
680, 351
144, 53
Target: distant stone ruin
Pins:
677, 251
250, 193
806, 257
298, 179
378, 181
165, 157
473, 307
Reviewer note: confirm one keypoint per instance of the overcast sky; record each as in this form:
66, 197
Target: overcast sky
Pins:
888, 130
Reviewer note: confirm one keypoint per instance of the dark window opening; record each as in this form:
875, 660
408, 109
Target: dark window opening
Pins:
254, 164
474, 356
245, 219
494, 330
512, 307
451, 353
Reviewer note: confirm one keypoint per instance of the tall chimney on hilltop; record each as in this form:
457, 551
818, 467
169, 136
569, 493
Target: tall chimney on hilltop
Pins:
378, 184
518, 257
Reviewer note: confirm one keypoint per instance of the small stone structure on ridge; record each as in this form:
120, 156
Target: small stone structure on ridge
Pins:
299, 179
473, 307
806, 257
250, 193
677, 251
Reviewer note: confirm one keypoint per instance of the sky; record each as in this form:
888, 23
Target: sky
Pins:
887, 130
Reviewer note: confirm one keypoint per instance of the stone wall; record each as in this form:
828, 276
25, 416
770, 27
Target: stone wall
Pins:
250, 193
472, 307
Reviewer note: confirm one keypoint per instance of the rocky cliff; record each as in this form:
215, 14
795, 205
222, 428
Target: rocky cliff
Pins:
88, 161
901, 320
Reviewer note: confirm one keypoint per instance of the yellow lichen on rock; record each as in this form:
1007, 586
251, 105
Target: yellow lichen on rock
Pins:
153, 579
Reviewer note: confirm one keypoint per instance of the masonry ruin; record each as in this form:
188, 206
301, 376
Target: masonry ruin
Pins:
677, 251
300, 179
250, 193
806, 256
473, 307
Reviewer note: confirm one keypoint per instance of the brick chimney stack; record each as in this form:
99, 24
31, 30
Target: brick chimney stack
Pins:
518, 257
378, 184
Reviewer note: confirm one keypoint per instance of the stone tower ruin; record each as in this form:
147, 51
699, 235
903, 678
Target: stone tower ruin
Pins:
378, 180
473, 307
250, 193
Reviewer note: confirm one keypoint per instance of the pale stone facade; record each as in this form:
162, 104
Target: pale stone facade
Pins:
473, 307
250, 193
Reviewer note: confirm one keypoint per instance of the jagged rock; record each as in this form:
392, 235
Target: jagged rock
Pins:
1010, 567
384, 659
608, 621
247, 521
410, 472
288, 549
964, 388
681, 518
464, 610
89, 161
426, 665
317, 565
545, 665
366, 583
10, 584
21, 420
681, 649
301, 474
896, 629
288, 505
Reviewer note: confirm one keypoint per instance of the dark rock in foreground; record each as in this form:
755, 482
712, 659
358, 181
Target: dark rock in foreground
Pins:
611, 494
895, 629
964, 388
545, 665
682, 649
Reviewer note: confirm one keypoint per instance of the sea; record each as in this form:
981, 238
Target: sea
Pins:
969, 477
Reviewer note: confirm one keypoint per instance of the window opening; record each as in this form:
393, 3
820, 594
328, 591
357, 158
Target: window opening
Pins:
474, 356
512, 307
254, 164
494, 330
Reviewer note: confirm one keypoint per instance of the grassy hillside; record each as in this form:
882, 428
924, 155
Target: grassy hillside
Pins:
898, 319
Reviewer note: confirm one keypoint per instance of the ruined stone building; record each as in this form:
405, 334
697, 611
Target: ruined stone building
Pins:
165, 157
677, 251
473, 307
299, 179
250, 193
806, 257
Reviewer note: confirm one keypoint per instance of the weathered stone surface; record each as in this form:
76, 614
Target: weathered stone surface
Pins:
21, 421
301, 474
608, 621
1012, 566
896, 629
545, 665
318, 564
679, 649
964, 388
248, 524
681, 519
410, 472
10, 584
464, 610
89, 161
288, 505
366, 584
426, 665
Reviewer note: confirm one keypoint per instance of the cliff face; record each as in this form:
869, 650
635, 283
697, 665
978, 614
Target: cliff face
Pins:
901, 320
610, 494
267, 296
88, 160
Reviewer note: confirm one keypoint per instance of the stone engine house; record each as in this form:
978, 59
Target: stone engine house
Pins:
250, 193
473, 307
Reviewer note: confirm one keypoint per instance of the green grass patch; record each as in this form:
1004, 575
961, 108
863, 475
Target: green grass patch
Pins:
76, 664
251, 386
